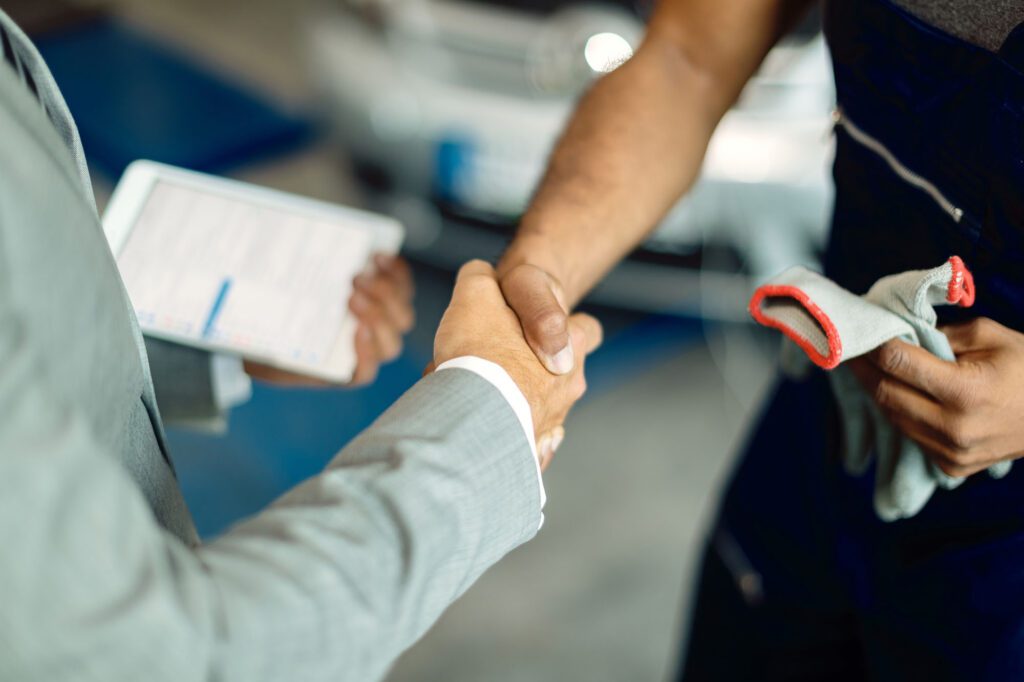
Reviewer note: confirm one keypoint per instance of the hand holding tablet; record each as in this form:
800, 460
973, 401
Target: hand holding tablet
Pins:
269, 276
382, 305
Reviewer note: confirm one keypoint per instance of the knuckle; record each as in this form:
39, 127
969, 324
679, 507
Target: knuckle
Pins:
982, 325
953, 469
393, 350
960, 435
961, 460
971, 331
892, 358
517, 277
383, 287
883, 393
579, 387
964, 395
370, 316
549, 323
526, 284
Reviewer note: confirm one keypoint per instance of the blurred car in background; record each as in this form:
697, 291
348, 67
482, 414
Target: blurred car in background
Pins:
448, 110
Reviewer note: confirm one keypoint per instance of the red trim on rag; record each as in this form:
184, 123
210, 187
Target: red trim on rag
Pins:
961, 284
835, 344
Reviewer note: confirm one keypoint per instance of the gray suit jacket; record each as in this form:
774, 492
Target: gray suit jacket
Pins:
101, 574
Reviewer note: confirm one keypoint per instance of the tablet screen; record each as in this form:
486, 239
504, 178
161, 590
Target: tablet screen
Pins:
252, 277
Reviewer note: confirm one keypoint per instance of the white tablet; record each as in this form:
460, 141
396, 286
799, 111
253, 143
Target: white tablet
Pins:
228, 266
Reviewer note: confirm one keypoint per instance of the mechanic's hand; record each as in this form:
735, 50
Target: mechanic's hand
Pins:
478, 322
966, 415
538, 301
382, 302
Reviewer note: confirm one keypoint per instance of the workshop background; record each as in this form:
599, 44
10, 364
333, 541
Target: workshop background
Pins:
441, 113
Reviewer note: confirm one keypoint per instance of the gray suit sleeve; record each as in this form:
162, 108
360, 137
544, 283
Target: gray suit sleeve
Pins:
331, 582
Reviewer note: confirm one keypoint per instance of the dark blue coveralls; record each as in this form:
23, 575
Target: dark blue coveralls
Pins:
801, 580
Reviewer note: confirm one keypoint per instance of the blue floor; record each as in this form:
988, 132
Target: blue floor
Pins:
134, 97
283, 436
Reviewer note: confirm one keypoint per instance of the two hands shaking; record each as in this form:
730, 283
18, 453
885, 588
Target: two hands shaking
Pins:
486, 319
480, 322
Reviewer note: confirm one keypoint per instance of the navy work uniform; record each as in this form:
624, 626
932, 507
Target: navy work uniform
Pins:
801, 580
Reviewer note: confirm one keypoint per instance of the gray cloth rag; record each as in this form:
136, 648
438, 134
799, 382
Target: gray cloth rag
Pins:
831, 325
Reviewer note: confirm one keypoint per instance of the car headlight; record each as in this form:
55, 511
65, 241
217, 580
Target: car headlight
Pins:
579, 44
605, 51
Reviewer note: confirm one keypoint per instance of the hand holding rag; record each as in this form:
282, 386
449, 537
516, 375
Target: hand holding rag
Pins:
832, 325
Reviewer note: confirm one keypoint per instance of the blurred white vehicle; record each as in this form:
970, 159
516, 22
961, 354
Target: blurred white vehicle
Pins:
449, 109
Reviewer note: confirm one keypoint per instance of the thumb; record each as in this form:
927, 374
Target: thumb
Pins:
536, 297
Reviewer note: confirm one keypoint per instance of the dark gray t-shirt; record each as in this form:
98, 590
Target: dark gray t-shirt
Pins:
983, 22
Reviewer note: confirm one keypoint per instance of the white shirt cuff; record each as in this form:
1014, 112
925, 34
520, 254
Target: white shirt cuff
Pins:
231, 385
501, 380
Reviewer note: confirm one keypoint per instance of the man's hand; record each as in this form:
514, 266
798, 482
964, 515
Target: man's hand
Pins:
382, 302
966, 415
538, 300
478, 322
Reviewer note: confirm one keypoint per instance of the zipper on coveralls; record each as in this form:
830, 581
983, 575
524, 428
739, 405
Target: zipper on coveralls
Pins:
841, 120
748, 581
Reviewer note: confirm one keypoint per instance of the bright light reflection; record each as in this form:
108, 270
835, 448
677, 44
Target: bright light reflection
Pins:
604, 52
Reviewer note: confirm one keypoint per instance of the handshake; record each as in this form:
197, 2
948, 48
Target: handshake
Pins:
520, 323
480, 323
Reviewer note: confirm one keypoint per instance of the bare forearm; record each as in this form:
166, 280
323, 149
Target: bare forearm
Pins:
633, 147
637, 139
